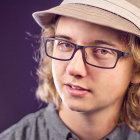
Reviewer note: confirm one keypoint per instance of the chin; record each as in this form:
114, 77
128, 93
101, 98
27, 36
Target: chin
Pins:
76, 108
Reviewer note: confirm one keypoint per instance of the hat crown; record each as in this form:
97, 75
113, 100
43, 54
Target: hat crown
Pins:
131, 5
128, 9
122, 15
135, 2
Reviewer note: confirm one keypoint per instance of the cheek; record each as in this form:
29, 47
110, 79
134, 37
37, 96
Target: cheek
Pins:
124, 72
58, 70
113, 82
121, 78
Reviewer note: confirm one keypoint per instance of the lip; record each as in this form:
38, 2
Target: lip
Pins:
76, 92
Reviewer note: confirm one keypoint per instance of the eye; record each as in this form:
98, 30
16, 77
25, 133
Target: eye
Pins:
103, 53
64, 46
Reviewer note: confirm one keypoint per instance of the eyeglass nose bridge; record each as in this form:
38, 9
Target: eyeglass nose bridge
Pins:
77, 47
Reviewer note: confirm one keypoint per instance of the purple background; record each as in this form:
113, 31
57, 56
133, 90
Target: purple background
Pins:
17, 67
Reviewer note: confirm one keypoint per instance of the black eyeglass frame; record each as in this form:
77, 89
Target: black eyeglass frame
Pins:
76, 47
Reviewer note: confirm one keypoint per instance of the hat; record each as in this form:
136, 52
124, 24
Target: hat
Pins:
122, 15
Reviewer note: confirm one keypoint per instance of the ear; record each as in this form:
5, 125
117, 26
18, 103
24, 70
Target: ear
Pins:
136, 76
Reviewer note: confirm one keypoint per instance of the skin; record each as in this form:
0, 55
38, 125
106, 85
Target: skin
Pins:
99, 108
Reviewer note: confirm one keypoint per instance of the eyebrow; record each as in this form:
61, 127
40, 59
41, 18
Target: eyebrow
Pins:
98, 42
63, 37
95, 42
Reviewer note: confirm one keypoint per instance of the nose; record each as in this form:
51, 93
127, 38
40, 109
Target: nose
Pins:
77, 66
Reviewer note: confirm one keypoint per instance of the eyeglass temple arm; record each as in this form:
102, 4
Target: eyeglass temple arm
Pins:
127, 54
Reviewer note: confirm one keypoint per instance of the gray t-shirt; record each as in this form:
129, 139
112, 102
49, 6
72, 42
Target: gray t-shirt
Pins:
46, 125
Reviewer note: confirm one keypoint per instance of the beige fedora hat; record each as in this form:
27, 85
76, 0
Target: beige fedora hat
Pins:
123, 15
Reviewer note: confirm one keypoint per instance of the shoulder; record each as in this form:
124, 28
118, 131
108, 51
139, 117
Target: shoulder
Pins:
123, 132
132, 135
30, 126
129, 134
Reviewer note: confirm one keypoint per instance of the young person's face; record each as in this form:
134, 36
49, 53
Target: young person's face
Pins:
99, 88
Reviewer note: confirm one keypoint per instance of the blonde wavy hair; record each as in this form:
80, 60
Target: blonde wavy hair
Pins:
46, 91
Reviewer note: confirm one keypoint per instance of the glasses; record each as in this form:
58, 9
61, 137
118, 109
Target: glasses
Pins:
96, 56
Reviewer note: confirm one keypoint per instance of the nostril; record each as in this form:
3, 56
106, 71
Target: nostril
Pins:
78, 76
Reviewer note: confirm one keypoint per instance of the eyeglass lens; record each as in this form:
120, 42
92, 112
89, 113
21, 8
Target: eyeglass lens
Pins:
97, 56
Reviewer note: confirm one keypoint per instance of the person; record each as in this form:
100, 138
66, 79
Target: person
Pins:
89, 73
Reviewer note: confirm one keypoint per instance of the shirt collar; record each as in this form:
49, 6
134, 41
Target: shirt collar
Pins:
55, 126
58, 130
119, 133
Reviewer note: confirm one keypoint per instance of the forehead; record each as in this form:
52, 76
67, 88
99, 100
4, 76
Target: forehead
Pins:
78, 29
68, 22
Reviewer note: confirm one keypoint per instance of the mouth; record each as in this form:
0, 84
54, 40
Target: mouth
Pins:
76, 90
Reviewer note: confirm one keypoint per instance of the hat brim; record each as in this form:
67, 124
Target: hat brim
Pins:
87, 13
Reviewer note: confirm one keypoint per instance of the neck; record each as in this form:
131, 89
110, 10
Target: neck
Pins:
89, 126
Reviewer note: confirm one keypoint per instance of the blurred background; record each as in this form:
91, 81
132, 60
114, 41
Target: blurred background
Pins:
18, 79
